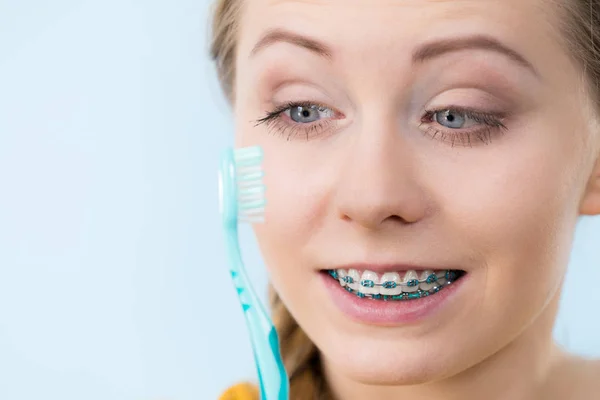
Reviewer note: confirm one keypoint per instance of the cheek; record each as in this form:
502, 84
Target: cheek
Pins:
297, 203
517, 208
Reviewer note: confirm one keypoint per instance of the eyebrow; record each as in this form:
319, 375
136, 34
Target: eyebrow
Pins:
280, 35
423, 53
437, 48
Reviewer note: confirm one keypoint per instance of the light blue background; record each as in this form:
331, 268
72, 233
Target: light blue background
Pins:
112, 268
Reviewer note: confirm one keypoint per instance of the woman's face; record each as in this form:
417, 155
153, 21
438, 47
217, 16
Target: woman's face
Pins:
408, 137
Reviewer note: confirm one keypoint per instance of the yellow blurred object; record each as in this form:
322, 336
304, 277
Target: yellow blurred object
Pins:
242, 391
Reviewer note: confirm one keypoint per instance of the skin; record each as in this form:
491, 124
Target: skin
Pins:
374, 183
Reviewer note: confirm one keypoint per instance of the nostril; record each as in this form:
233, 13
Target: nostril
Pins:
393, 219
397, 219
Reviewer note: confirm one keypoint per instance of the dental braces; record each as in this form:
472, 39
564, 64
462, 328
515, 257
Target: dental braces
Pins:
420, 293
403, 296
368, 283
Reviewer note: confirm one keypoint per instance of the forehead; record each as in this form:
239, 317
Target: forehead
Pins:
361, 27
391, 9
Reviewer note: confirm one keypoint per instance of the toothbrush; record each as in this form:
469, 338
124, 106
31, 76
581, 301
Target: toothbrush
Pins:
242, 199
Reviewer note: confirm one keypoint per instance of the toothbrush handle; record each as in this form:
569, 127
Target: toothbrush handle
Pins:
272, 377
274, 383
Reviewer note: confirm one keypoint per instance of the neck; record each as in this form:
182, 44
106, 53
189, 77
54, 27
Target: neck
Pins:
520, 370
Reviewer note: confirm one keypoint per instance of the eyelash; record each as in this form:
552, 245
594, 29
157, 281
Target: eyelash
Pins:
491, 124
273, 120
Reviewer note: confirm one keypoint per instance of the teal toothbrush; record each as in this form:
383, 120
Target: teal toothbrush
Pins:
242, 199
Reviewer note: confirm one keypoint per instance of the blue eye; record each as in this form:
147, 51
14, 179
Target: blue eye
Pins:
450, 119
306, 117
306, 114
461, 125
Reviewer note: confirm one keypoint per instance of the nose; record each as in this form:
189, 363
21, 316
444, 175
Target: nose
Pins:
378, 184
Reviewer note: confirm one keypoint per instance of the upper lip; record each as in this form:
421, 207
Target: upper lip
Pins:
382, 268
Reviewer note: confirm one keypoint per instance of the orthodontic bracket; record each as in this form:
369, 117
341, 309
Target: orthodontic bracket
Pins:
449, 275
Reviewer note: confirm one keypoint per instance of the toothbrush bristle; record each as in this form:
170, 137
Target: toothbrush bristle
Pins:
250, 187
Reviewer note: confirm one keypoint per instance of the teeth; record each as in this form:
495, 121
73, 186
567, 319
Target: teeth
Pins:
424, 277
410, 277
391, 277
368, 282
391, 283
341, 277
355, 275
442, 277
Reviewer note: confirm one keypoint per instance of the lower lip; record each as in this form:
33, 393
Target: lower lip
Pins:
390, 313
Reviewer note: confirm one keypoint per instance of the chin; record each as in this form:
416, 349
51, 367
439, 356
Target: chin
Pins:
390, 343
381, 363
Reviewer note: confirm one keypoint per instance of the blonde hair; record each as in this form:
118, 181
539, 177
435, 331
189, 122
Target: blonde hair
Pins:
301, 357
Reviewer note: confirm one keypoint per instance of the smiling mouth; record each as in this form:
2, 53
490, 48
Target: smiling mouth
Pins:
395, 286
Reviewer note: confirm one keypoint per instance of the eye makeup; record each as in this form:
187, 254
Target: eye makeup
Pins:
447, 104
456, 125
283, 119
